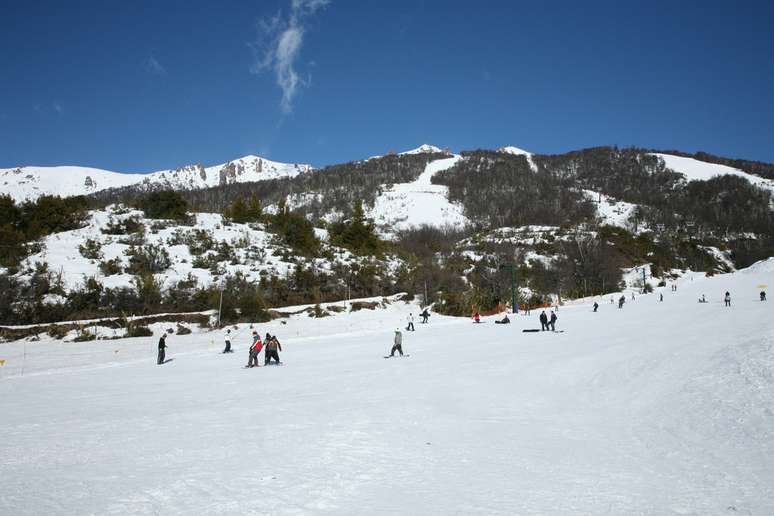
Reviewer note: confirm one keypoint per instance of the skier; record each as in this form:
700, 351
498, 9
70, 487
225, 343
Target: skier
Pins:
397, 343
552, 321
632, 296
702, 299
526, 309
476, 317
272, 345
227, 338
162, 348
621, 301
763, 295
727, 299
255, 348
424, 315
410, 320
596, 306
661, 296
543, 321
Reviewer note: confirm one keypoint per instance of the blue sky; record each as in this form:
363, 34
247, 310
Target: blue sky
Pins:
143, 86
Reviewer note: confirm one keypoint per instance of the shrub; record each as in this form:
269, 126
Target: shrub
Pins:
165, 204
138, 331
125, 226
91, 249
110, 267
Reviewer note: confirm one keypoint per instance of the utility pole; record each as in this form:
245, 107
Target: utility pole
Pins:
514, 305
220, 305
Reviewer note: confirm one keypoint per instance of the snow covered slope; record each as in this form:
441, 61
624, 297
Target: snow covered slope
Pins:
417, 203
519, 152
695, 170
659, 408
31, 182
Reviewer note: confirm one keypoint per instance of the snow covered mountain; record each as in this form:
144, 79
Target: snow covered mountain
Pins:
29, 183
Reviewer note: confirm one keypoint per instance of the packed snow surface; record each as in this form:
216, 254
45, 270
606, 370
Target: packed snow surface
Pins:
695, 170
658, 408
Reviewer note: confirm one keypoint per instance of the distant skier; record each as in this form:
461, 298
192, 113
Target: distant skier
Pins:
727, 299
227, 339
272, 347
543, 321
621, 301
763, 295
596, 306
702, 299
255, 349
632, 296
424, 315
661, 296
477, 317
526, 309
397, 343
552, 321
162, 349
410, 321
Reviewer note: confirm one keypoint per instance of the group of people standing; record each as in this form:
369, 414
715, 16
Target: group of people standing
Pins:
272, 345
548, 323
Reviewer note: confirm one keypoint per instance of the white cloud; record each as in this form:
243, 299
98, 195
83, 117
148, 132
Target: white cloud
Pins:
152, 66
279, 45
58, 107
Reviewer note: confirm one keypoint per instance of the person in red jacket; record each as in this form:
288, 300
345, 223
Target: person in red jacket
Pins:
255, 349
476, 317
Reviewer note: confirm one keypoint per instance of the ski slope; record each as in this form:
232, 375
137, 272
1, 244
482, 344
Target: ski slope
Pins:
695, 170
659, 408
406, 205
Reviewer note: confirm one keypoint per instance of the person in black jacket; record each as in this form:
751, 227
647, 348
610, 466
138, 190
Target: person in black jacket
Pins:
162, 348
552, 321
272, 347
543, 321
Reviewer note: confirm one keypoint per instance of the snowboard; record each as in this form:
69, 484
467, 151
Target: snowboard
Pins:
397, 356
274, 364
530, 331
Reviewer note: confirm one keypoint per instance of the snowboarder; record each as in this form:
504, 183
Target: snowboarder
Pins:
227, 339
162, 348
255, 348
504, 320
596, 306
621, 301
272, 346
476, 317
397, 343
410, 320
552, 321
763, 295
425, 315
727, 299
543, 321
